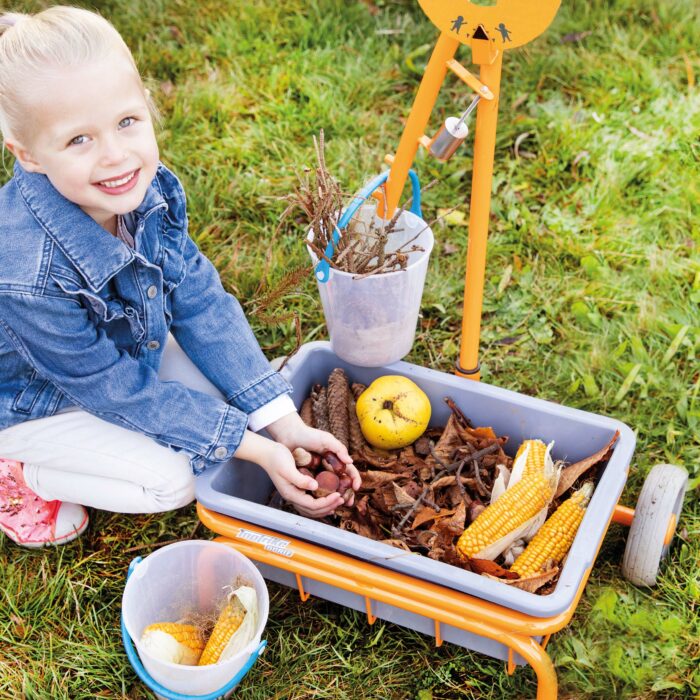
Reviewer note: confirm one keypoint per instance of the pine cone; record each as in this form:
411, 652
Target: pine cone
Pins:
357, 389
338, 391
319, 407
357, 439
306, 413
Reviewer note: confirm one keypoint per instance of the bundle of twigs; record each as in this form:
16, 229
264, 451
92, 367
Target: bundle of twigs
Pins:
362, 247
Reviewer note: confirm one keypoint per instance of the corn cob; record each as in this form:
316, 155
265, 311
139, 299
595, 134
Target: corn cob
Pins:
174, 642
535, 452
229, 620
514, 508
555, 537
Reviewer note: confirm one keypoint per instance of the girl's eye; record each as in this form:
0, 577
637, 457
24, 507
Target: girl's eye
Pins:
78, 140
127, 121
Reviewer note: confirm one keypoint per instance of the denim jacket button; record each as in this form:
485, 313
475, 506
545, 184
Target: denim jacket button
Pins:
152, 291
153, 345
220, 452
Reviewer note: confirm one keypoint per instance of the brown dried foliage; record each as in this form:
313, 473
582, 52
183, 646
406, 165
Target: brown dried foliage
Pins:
422, 497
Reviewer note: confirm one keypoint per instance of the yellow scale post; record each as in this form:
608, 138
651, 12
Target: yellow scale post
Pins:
488, 31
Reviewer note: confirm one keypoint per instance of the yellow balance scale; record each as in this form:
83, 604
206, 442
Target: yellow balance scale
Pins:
488, 31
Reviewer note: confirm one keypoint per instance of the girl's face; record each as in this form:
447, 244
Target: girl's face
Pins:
93, 137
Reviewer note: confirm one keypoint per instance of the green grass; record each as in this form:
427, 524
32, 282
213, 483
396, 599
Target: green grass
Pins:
592, 300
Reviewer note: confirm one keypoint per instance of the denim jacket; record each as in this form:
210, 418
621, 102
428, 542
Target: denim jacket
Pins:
84, 319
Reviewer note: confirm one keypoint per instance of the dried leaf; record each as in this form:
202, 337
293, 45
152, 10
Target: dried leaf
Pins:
476, 508
422, 446
402, 498
413, 490
399, 544
451, 480
486, 566
449, 440
455, 523
373, 480
575, 37
428, 514
376, 459
451, 556
425, 538
453, 217
531, 583
570, 474
483, 432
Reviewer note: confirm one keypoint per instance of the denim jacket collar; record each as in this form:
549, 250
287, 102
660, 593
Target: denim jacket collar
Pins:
75, 232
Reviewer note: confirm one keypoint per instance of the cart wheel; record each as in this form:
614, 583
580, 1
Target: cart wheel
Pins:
654, 523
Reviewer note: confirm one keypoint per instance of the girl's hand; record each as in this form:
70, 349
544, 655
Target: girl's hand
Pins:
292, 432
278, 462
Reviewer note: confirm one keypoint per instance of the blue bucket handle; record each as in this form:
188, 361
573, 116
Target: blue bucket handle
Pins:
323, 268
156, 687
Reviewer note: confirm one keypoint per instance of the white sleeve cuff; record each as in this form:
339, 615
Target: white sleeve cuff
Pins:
273, 410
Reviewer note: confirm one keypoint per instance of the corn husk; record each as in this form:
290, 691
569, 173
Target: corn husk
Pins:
164, 647
514, 539
240, 639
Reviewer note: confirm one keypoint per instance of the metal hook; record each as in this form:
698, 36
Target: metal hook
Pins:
469, 109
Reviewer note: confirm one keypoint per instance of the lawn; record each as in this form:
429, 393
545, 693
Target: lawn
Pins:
592, 300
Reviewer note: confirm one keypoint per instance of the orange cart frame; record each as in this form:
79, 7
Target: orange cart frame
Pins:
438, 603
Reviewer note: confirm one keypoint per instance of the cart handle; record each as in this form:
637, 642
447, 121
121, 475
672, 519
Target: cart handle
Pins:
157, 688
323, 268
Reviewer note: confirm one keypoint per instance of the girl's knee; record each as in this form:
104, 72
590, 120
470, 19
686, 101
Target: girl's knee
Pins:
177, 488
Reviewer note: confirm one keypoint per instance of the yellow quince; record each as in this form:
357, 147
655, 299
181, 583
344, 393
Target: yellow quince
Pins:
393, 412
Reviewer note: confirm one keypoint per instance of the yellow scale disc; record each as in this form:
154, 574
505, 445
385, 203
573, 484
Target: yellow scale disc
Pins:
507, 23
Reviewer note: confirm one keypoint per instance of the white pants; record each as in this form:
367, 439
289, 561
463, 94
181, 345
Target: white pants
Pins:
78, 458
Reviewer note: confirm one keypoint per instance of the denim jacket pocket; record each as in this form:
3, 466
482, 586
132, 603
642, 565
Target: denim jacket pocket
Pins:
104, 310
27, 398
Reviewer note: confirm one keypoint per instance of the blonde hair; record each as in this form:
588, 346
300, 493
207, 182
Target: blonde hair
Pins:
58, 36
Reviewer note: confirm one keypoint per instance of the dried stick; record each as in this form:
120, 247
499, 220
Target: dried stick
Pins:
446, 469
479, 483
458, 478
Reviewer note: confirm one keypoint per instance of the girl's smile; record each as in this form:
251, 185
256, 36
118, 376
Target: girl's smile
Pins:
121, 184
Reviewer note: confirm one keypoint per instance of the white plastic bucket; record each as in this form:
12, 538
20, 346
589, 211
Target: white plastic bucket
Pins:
372, 321
184, 578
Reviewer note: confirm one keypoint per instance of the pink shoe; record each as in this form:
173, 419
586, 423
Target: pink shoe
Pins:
28, 519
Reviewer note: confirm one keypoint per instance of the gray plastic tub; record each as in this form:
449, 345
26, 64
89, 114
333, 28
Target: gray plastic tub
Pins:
242, 491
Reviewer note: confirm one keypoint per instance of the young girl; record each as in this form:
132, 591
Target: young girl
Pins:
97, 275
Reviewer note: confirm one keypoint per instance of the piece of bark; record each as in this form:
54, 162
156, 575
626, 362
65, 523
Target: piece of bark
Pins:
306, 413
337, 396
319, 407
